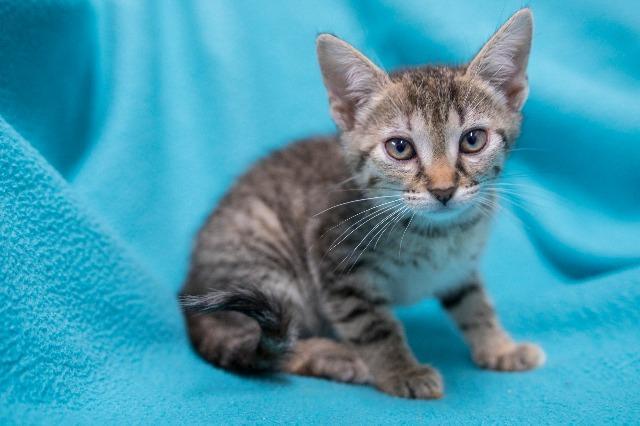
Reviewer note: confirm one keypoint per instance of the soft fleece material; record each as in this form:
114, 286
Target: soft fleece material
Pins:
122, 123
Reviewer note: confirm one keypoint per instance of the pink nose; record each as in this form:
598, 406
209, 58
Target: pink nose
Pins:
443, 195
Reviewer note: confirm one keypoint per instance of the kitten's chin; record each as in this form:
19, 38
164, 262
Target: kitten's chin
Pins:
443, 215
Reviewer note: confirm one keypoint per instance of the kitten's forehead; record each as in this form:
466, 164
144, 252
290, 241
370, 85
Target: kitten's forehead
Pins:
431, 89
438, 90
441, 97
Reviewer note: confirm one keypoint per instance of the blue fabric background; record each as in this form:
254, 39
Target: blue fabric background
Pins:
122, 123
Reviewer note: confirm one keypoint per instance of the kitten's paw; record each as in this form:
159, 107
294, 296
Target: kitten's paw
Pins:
421, 382
517, 357
341, 369
327, 359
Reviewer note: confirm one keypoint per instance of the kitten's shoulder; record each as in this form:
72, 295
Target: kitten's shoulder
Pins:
297, 174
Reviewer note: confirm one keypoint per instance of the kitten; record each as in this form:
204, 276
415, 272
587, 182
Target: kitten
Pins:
296, 267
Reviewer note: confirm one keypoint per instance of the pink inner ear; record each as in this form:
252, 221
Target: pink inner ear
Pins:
340, 112
516, 94
514, 91
350, 78
503, 59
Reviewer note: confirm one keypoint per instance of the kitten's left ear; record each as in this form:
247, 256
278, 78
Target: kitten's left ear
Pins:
502, 61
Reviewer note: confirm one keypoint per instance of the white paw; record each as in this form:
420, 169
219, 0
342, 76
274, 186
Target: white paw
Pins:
516, 357
421, 382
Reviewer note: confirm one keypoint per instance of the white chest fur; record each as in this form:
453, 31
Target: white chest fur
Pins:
428, 264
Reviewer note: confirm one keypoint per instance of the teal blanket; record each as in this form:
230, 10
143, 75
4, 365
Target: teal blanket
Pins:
122, 123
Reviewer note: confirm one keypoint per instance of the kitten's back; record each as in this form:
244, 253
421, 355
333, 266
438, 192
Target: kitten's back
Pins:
258, 240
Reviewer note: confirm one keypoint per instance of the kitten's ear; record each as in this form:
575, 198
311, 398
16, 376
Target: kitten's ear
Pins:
350, 78
502, 61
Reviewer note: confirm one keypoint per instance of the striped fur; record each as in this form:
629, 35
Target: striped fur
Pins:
296, 267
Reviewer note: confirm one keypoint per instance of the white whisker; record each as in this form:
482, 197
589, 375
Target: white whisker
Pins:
395, 223
387, 220
357, 214
360, 223
405, 231
356, 201
365, 237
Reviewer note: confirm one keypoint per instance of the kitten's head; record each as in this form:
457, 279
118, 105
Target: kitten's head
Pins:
436, 136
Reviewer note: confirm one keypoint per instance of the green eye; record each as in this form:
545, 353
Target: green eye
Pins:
400, 149
473, 141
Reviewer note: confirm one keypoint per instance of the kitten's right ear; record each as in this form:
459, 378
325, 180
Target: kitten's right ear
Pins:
350, 78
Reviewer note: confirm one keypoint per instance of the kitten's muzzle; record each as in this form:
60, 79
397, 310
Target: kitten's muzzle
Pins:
443, 195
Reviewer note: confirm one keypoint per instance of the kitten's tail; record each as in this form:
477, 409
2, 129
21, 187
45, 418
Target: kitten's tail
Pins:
269, 311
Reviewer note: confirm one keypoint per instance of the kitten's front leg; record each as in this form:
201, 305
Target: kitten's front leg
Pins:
491, 346
363, 320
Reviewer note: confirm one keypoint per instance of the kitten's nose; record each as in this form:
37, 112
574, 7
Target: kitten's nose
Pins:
443, 195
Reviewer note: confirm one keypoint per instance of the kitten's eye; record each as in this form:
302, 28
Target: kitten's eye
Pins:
400, 149
473, 141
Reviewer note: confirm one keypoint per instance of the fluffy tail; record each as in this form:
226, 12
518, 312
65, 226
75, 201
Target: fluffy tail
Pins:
269, 311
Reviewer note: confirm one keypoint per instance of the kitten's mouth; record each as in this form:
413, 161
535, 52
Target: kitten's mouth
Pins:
443, 210
440, 211
436, 211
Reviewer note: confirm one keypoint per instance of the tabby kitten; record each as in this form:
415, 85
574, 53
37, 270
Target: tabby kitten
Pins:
296, 267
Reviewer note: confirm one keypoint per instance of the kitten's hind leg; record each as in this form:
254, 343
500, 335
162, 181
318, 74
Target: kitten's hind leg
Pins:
328, 359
